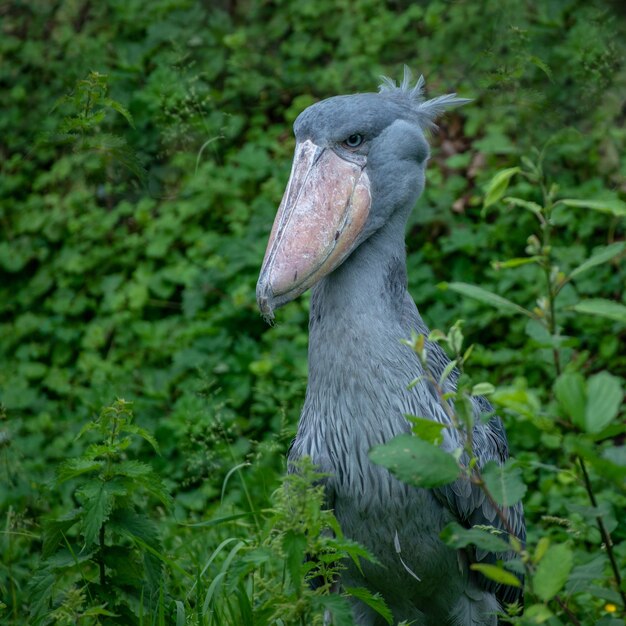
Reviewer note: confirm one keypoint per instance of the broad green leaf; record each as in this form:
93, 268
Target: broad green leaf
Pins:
605, 254
426, 429
504, 482
416, 462
613, 207
498, 185
489, 539
569, 390
373, 600
604, 398
497, 573
97, 510
487, 297
552, 571
602, 308
583, 575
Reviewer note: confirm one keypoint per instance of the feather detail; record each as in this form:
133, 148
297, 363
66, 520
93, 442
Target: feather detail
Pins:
425, 111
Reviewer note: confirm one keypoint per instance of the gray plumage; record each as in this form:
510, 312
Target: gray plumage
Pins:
359, 371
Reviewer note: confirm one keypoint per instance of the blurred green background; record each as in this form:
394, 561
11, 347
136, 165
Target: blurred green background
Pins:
144, 148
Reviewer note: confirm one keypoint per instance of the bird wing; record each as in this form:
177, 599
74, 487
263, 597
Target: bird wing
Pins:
467, 501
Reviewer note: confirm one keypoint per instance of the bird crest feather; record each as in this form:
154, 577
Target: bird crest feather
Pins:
412, 97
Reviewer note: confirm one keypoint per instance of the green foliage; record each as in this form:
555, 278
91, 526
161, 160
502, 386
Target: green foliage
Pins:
144, 151
416, 462
102, 557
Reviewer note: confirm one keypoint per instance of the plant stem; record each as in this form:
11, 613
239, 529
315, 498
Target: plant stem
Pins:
606, 536
564, 606
101, 557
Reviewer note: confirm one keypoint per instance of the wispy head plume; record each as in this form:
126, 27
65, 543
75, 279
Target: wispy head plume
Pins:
412, 98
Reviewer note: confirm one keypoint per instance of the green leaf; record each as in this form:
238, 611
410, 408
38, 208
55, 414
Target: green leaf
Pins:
373, 600
497, 573
504, 482
97, 510
446, 372
552, 571
337, 605
77, 467
604, 398
605, 254
55, 530
498, 185
483, 389
602, 308
426, 429
569, 390
485, 538
542, 65
416, 462
538, 613
517, 262
121, 109
144, 434
533, 207
613, 207
487, 297
133, 469
294, 547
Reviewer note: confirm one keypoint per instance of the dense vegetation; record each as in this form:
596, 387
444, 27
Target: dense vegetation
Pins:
144, 147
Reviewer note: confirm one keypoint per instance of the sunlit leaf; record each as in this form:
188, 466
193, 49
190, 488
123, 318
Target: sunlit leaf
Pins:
497, 573
604, 398
426, 429
416, 462
533, 207
498, 185
553, 571
569, 389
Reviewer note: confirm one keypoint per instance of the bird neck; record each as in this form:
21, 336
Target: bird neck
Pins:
366, 293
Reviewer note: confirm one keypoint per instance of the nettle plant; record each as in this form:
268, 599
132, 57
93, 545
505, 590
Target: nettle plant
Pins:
102, 558
573, 566
284, 571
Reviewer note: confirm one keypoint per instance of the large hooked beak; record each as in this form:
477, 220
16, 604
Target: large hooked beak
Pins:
323, 210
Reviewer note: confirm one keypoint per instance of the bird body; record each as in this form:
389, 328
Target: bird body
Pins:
340, 230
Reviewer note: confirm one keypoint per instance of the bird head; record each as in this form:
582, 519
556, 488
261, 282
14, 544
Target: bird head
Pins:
358, 160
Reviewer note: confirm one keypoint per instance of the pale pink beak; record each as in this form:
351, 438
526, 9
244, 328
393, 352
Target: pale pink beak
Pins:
323, 210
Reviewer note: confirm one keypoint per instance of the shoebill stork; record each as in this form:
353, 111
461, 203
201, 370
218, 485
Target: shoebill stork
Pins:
358, 169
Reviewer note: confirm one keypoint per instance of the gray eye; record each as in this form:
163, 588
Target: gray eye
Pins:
353, 141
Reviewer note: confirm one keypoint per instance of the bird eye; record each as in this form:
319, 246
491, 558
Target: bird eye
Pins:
353, 141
